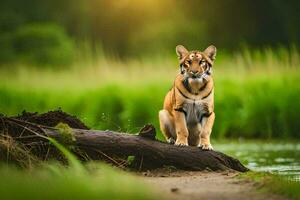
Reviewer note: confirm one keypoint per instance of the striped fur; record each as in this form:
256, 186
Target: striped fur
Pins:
188, 114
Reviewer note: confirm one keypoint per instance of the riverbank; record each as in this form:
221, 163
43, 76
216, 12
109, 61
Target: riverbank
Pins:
175, 185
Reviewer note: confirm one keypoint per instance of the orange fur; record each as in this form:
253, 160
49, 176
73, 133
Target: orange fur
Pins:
188, 114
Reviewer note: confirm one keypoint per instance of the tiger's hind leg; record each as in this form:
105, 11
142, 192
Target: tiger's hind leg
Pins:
167, 126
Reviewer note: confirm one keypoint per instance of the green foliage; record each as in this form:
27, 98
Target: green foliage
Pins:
43, 44
53, 181
257, 93
38, 44
274, 183
258, 107
164, 24
57, 182
263, 107
74, 163
6, 50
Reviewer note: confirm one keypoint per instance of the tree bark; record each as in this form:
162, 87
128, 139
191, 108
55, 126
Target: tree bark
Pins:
95, 145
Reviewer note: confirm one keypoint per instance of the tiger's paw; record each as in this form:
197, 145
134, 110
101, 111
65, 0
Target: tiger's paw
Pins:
181, 143
171, 140
206, 146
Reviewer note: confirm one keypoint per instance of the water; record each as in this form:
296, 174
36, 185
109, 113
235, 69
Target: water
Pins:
277, 158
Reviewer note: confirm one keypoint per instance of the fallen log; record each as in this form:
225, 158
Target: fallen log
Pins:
98, 145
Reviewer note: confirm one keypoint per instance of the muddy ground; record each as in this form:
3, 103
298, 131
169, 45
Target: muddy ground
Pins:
191, 185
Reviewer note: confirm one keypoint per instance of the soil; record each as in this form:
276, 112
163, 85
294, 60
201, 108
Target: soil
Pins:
52, 118
33, 146
192, 185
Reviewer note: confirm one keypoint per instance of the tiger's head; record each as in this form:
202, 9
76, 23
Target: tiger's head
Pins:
196, 65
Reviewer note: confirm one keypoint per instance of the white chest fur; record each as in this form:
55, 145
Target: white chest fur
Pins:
195, 110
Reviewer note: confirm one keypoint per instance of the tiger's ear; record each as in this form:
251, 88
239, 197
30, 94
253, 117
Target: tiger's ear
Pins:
181, 51
211, 52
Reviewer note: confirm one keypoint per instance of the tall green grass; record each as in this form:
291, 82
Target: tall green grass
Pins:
257, 94
54, 181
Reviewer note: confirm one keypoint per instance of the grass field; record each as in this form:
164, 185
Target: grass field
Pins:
257, 94
274, 184
75, 181
57, 182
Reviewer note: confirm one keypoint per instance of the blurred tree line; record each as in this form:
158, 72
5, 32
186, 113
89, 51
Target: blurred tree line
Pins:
48, 31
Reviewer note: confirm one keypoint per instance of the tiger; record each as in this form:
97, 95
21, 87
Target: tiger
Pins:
188, 116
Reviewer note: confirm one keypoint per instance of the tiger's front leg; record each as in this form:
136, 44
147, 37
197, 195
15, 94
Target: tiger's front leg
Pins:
207, 124
181, 129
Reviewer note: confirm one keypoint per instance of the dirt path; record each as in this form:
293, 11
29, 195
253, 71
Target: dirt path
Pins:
205, 185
